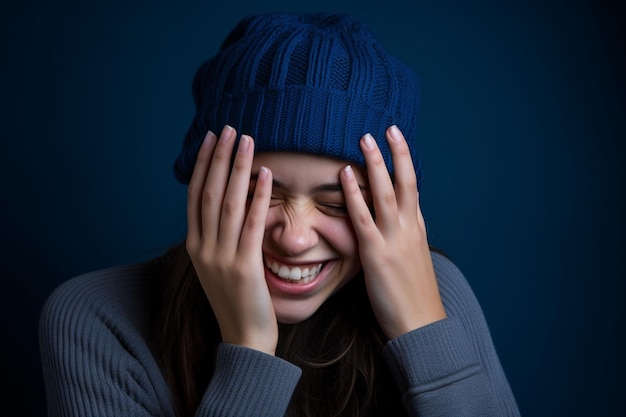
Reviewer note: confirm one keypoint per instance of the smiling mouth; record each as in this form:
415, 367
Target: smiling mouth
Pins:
295, 274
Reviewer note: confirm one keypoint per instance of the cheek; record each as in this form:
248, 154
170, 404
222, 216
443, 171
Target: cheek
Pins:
340, 234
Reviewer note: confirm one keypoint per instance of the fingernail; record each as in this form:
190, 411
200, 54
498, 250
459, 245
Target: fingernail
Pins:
227, 133
348, 172
368, 142
208, 138
244, 143
263, 173
395, 134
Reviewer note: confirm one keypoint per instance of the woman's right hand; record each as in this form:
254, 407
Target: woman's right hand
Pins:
225, 242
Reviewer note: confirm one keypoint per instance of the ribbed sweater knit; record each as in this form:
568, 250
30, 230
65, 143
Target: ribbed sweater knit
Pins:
97, 362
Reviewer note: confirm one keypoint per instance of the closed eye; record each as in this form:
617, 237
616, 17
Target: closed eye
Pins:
337, 210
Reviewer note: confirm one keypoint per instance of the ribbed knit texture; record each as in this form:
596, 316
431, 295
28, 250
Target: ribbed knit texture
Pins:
271, 391
455, 355
312, 83
95, 358
96, 361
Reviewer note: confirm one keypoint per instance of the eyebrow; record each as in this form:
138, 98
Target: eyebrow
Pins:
322, 188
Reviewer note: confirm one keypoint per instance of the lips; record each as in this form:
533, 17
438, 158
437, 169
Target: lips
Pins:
297, 274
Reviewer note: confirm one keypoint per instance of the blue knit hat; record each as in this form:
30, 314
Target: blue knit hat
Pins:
313, 83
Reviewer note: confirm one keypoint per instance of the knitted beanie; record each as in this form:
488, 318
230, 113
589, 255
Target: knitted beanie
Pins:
313, 83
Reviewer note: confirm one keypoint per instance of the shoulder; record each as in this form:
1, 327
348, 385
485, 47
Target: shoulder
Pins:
115, 296
456, 292
95, 343
444, 267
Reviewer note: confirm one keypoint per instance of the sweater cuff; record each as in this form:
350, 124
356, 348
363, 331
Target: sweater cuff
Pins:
430, 357
247, 382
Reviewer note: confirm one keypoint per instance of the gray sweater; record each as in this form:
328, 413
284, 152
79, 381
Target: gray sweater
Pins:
96, 361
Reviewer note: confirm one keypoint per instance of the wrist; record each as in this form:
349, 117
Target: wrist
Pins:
415, 319
264, 345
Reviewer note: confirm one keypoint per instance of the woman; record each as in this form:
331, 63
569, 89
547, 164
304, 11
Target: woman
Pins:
305, 286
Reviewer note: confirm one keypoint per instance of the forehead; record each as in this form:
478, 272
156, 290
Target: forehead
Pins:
298, 168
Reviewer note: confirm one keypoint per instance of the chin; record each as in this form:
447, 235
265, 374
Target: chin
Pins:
293, 312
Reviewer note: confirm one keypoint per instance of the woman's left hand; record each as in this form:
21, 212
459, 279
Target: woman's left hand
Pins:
394, 249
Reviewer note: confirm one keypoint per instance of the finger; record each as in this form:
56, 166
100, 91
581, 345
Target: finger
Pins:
234, 205
254, 227
404, 172
196, 185
215, 184
381, 186
360, 214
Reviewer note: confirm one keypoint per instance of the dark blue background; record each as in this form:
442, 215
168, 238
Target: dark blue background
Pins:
521, 136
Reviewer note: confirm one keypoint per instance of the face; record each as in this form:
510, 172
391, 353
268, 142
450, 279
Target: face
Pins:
309, 248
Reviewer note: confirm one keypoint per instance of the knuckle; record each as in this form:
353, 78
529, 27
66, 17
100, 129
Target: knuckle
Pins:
377, 159
229, 208
206, 257
261, 193
255, 222
409, 184
364, 219
239, 269
220, 156
402, 149
389, 197
419, 235
208, 195
191, 192
239, 164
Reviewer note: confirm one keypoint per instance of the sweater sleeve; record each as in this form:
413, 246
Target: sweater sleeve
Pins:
248, 382
95, 360
450, 367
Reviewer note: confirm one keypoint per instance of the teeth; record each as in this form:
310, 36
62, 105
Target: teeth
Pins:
303, 275
283, 272
295, 274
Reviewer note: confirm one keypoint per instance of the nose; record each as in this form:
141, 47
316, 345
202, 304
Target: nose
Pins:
294, 235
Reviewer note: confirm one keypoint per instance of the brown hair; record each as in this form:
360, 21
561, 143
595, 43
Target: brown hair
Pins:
338, 348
